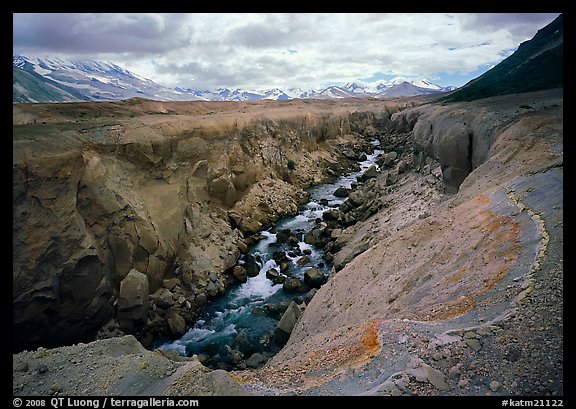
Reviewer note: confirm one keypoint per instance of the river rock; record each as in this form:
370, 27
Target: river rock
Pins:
309, 238
200, 299
389, 158
293, 241
342, 192
133, 299
370, 173
356, 199
279, 256
392, 177
330, 215
283, 235
258, 311
314, 278
275, 276
349, 220
250, 265
284, 266
244, 342
242, 247
403, 166
292, 285
350, 154
239, 273
286, 324
249, 226
302, 261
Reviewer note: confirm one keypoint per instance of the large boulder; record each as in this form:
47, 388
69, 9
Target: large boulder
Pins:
314, 278
240, 274
252, 268
356, 198
331, 215
176, 324
292, 285
370, 173
133, 300
342, 192
302, 261
286, 324
389, 158
283, 235
275, 276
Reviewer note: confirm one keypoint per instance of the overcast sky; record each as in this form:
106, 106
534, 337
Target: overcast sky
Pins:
258, 51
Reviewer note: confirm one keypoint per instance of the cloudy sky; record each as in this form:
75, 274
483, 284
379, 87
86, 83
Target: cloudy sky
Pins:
259, 51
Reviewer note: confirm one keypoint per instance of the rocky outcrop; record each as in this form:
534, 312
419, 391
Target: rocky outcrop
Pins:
118, 366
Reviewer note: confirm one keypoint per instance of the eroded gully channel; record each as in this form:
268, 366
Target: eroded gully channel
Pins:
240, 324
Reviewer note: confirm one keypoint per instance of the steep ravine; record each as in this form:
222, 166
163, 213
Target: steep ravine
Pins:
449, 275
129, 216
462, 296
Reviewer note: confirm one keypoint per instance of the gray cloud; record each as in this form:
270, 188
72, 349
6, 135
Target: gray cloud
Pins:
84, 34
205, 51
520, 25
260, 36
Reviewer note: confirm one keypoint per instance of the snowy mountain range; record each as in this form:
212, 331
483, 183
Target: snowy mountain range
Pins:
61, 80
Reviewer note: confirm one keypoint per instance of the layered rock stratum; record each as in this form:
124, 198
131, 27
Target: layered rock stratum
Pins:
448, 260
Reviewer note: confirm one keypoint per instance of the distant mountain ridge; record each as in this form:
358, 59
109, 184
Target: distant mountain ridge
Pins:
29, 86
95, 80
62, 80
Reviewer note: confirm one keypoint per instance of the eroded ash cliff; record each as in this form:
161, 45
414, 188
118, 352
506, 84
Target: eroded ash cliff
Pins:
129, 216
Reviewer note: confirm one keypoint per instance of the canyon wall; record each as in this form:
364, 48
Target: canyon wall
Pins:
173, 191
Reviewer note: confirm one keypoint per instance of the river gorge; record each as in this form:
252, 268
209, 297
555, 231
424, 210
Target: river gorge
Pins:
246, 316
194, 226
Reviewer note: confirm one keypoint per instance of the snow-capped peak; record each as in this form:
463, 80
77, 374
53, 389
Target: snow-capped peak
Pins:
417, 82
356, 87
101, 80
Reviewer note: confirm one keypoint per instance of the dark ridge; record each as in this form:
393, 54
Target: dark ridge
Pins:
537, 64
